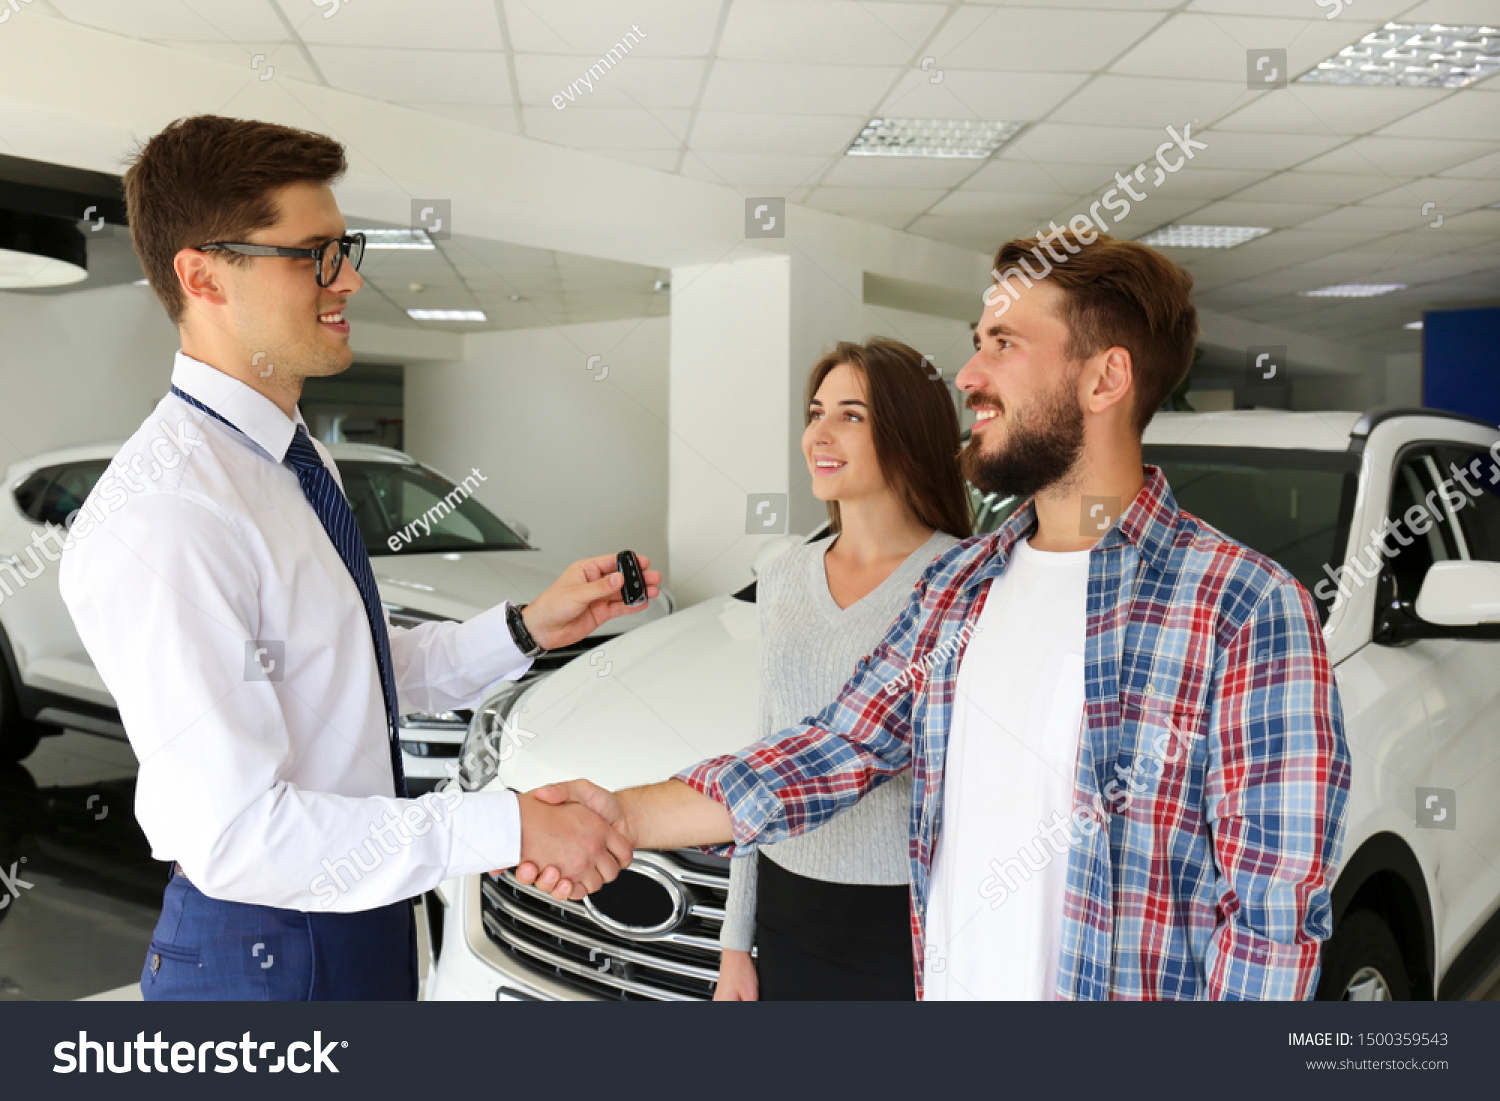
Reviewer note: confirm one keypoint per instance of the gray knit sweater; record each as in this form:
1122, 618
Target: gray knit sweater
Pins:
808, 650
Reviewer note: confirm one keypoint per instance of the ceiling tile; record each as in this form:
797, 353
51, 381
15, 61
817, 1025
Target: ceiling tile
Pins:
1010, 204
607, 127
826, 135
1130, 101
1118, 145
1329, 109
828, 32
1267, 152
899, 171
983, 233
650, 82
671, 28
183, 21
875, 200
444, 76
493, 117
1451, 195
1384, 219
1271, 215
1397, 156
393, 23
279, 58
795, 89
1004, 173
1467, 114
752, 172
1209, 47
1480, 168
971, 94
1034, 39
663, 160
1314, 187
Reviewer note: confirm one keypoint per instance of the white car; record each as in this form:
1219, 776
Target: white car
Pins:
455, 560
1418, 886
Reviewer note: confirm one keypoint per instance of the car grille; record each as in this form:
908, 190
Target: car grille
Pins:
658, 939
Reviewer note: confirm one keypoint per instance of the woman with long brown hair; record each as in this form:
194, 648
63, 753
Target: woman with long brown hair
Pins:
829, 911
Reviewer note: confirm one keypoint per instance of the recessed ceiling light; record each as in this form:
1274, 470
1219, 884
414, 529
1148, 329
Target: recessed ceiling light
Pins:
1355, 290
141, 283
447, 315
962, 138
1414, 55
517, 298
1412, 325
1202, 236
396, 238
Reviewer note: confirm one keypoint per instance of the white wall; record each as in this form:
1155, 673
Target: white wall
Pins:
575, 459
1403, 378
80, 368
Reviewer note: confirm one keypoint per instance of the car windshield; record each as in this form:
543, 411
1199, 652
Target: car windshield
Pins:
404, 508
1292, 506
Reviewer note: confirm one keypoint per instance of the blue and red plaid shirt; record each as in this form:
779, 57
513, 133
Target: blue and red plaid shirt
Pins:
1211, 876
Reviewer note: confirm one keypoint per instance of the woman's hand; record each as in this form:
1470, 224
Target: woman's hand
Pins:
738, 981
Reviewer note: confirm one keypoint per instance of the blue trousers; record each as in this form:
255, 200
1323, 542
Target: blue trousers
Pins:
206, 949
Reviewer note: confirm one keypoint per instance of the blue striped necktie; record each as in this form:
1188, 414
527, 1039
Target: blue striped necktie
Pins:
333, 510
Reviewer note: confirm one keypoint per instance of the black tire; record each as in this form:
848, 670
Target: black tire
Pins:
18, 737
1362, 962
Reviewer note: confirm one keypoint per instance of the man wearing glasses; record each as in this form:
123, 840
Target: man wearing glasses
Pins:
229, 605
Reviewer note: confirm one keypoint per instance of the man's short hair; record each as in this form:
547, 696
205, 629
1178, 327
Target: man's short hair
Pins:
210, 178
1116, 293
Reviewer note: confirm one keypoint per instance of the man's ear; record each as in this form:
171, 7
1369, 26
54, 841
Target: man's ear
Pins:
198, 276
1113, 379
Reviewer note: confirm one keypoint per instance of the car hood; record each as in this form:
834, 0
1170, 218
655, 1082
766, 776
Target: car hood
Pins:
461, 584
643, 705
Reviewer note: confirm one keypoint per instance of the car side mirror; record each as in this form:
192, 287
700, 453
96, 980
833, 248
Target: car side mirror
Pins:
1460, 594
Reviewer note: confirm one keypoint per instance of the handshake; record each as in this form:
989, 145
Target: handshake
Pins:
576, 837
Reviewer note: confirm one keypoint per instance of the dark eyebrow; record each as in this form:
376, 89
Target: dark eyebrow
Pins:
846, 401
317, 239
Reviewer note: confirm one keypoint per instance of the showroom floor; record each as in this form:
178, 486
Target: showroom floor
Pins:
81, 929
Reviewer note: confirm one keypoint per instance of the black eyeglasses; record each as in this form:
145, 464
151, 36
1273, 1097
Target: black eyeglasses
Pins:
330, 260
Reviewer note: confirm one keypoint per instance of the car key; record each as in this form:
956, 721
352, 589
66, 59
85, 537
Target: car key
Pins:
634, 589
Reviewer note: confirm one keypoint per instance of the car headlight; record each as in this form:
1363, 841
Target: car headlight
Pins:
483, 751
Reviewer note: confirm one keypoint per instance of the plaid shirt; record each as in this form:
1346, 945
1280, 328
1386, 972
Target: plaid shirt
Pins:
1212, 751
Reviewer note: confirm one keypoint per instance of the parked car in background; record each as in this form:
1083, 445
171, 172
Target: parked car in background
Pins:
455, 559
1412, 636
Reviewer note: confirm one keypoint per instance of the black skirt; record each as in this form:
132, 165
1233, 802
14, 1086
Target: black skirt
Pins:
821, 941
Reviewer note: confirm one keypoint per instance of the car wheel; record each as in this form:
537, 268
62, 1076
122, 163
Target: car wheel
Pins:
1362, 962
17, 736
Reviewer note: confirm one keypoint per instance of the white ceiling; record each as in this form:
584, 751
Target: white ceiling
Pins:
764, 96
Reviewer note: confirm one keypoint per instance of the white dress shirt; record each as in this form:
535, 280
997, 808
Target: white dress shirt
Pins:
271, 788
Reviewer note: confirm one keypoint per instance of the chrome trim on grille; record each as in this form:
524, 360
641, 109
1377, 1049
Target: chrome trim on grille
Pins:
568, 943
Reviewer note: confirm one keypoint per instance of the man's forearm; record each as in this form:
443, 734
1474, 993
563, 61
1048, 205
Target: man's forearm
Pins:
672, 815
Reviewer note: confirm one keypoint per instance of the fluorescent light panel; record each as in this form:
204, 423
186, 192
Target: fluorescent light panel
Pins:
396, 238
968, 139
447, 315
1355, 290
1202, 236
1412, 325
1414, 55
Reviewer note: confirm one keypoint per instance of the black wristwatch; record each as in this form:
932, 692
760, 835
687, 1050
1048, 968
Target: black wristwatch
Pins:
524, 642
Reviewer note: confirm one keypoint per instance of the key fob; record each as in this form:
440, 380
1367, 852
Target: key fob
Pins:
634, 590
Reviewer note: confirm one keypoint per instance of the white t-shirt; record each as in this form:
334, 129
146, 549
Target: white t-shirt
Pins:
999, 868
